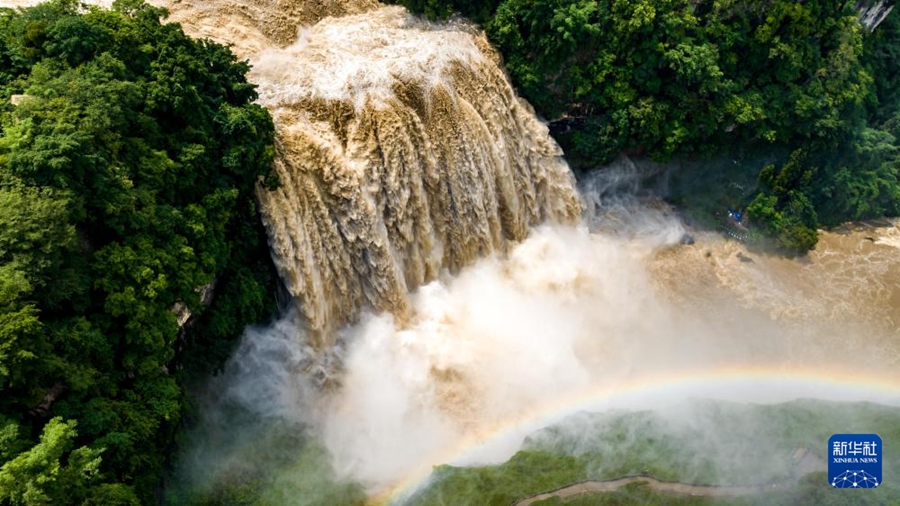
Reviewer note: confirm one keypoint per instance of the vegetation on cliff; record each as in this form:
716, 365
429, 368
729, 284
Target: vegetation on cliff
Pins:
678, 78
128, 160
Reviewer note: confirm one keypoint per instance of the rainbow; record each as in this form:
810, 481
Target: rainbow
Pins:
769, 383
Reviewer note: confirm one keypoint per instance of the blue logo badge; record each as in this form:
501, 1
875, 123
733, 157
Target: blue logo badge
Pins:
854, 460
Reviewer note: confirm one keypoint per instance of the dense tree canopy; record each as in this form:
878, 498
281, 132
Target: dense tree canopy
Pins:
667, 76
129, 155
686, 78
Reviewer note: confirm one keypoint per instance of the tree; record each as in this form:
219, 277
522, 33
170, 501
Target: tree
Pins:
128, 167
783, 206
51, 472
682, 78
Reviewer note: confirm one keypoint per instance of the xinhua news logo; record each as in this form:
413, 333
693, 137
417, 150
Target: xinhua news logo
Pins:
854, 460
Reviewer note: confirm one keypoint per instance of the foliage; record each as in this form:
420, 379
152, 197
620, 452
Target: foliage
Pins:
261, 463
810, 492
719, 443
862, 183
52, 472
129, 158
682, 78
664, 76
881, 52
783, 205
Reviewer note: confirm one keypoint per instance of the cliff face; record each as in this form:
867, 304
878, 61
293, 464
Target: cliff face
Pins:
873, 12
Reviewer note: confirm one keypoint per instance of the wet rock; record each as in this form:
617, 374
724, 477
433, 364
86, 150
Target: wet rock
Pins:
873, 12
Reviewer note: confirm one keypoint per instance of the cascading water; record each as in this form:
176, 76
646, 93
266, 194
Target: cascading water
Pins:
402, 151
401, 154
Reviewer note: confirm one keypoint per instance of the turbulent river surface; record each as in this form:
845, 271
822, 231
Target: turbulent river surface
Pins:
453, 283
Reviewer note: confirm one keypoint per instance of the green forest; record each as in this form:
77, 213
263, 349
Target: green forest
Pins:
128, 162
132, 255
686, 79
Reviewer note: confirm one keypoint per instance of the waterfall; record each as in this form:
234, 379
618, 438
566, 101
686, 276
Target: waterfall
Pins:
403, 151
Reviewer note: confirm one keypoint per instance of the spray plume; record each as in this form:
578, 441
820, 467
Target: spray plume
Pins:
569, 311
